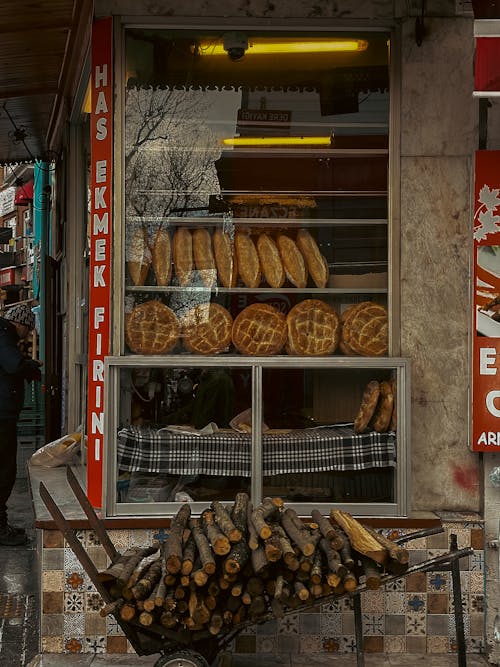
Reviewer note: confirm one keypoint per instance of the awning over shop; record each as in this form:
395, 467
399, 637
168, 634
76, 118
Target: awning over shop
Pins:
24, 194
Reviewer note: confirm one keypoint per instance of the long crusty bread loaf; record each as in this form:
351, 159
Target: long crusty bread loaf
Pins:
315, 261
270, 261
225, 258
248, 259
293, 262
162, 257
138, 256
183, 255
204, 257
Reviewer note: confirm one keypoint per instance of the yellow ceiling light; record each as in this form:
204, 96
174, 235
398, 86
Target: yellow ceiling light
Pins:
263, 46
278, 141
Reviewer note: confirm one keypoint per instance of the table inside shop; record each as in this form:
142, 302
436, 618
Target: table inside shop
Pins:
306, 457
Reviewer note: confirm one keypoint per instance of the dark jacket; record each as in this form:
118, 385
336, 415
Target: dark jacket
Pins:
14, 370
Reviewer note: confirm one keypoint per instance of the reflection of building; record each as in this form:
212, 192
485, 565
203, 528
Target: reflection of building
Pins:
17, 254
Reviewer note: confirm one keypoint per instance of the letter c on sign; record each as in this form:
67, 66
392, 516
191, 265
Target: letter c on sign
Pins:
490, 403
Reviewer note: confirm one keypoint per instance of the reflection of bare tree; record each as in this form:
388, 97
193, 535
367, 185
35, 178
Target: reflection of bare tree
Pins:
169, 152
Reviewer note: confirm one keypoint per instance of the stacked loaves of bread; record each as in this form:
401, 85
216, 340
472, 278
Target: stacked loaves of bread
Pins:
243, 257
377, 409
311, 328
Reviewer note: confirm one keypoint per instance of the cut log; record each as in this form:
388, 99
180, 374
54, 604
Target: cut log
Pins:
219, 542
127, 566
148, 581
188, 556
300, 536
111, 607
350, 582
173, 546
345, 551
361, 540
216, 623
301, 591
272, 547
127, 612
203, 546
317, 569
327, 530
395, 551
266, 510
372, 573
253, 536
236, 559
259, 560
336, 570
239, 512
225, 522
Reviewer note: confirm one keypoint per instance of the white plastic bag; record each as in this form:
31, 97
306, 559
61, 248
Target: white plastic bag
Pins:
58, 452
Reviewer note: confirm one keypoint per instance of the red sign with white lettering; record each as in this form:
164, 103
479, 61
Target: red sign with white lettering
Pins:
486, 346
100, 247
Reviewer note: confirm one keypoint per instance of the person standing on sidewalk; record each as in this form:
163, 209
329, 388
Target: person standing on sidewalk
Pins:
15, 369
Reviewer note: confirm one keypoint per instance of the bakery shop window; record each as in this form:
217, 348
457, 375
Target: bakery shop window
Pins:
261, 178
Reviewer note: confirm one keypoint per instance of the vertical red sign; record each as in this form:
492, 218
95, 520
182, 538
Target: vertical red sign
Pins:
486, 346
100, 247
487, 64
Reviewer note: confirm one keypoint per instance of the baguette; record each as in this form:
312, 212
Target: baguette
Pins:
183, 255
225, 258
270, 261
162, 257
316, 263
203, 256
139, 256
248, 260
293, 261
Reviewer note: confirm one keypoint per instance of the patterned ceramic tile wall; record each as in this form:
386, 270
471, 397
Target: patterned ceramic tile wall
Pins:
413, 614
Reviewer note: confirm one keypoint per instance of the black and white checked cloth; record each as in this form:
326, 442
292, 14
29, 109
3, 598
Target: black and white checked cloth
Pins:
146, 449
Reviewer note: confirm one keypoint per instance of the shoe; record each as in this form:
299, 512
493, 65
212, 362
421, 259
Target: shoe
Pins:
9, 537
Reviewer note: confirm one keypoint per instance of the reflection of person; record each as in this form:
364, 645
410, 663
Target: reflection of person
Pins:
15, 369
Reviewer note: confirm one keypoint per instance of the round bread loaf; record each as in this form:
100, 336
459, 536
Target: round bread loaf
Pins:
367, 406
259, 330
315, 262
204, 257
383, 413
364, 329
225, 258
248, 259
270, 260
183, 255
313, 328
293, 261
206, 329
151, 328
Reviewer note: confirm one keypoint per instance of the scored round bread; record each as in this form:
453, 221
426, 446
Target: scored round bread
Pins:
247, 258
270, 261
259, 330
383, 413
138, 256
364, 329
293, 261
183, 255
315, 261
225, 258
151, 328
206, 329
203, 256
367, 406
313, 328
162, 257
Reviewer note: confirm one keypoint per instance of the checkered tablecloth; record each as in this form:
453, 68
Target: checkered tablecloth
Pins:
145, 449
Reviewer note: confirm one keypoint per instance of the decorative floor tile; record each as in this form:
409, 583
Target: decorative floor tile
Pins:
113, 627
331, 625
53, 580
138, 538
342, 605
120, 538
331, 645
415, 603
417, 556
348, 625
463, 537
372, 601
451, 626
477, 561
93, 602
416, 624
289, 625
75, 581
94, 645
73, 603
416, 582
52, 644
266, 644
395, 644
73, 625
437, 603
437, 624
437, 644
73, 645
396, 586
476, 582
71, 562
91, 539
475, 644
395, 624
347, 644
373, 624
418, 543
476, 603
309, 624
437, 581
395, 603
95, 625
310, 644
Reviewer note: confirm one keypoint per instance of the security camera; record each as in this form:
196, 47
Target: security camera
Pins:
236, 44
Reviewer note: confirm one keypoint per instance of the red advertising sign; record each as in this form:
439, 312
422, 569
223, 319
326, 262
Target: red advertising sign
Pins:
100, 247
486, 347
487, 65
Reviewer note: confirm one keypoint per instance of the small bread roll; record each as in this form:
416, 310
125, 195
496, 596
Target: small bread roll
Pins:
162, 257
225, 258
183, 255
138, 256
316, 263
203, 256
293, 262
248, 259
270, 261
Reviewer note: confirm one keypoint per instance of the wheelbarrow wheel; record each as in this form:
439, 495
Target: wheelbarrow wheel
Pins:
182, 659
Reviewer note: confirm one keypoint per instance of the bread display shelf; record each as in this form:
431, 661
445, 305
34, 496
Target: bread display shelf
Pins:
204, 221
252, 290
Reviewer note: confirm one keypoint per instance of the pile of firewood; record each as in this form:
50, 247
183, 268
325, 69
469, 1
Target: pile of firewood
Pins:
240, 563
